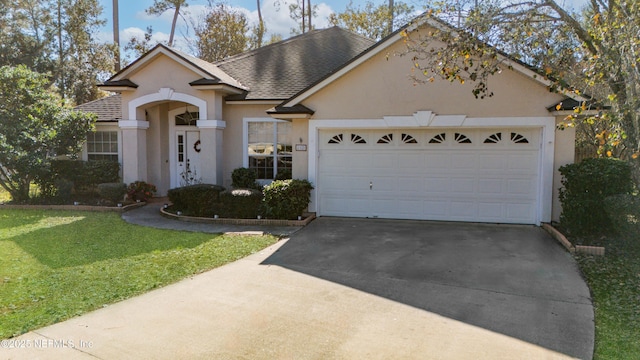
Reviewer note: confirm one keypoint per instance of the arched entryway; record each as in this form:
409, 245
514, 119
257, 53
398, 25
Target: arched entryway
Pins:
169, 142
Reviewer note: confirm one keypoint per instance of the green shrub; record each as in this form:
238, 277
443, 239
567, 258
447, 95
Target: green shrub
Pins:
64, 188
624, 212
98, 172
283, 174
85, 175
243, 178
585, 186
140, 190
239, 204
196, 200
286, 199
113, 192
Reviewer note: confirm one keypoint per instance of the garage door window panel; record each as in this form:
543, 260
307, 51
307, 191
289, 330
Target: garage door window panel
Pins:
386, 139
408, 139
462, 138
438, 138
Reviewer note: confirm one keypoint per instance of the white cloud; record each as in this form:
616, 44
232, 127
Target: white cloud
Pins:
276, 18
278, 21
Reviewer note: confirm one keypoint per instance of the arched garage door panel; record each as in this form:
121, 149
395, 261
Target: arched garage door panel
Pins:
451, 175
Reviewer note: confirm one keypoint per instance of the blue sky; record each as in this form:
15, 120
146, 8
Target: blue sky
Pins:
134, 20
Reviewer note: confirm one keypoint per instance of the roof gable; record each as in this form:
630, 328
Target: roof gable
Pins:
385, 43
279, 71
206, 70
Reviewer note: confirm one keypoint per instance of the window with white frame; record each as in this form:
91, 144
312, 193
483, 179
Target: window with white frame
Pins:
269, 147
102, 145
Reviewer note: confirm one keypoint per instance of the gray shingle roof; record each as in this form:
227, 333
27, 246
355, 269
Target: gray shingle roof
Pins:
281, 70
108, 109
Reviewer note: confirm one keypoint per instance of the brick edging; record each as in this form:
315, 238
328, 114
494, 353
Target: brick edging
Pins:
222, 221
559, 237
74, 207
580, 249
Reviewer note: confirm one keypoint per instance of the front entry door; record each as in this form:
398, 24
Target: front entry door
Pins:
187, 158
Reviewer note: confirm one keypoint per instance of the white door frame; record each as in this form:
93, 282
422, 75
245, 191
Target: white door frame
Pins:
174, 131
426, 119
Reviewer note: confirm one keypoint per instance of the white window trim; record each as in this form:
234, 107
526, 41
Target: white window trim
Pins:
426, 119
245, 142
104, 128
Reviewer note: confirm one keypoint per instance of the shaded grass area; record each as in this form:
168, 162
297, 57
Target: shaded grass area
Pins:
615, 285
55, 265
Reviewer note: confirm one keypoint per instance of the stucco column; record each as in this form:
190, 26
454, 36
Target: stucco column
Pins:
211, 132
134, 150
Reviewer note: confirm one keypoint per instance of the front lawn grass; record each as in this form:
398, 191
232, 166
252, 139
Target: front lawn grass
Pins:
615, 286
55, 264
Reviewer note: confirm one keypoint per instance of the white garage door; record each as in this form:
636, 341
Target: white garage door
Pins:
452, 175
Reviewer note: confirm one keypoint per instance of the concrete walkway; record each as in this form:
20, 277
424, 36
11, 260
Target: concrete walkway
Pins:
149, 215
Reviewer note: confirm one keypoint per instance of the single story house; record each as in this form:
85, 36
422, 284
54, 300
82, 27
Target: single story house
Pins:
341, 111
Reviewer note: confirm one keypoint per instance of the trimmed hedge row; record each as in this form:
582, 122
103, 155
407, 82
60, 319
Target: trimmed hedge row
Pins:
286, 199
196, 200
239, 204
83, 175
283, 199
586, 185
113, 192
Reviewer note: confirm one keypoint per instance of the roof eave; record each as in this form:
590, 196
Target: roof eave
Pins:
223, 88
290, 113
118, 85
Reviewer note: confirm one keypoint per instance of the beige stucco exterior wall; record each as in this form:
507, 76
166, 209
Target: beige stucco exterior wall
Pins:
158, 147
564, 154
163, 72
233, 143
300, 135
383, 87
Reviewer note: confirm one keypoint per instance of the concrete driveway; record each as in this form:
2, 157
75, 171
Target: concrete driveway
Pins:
350, 289
512, 280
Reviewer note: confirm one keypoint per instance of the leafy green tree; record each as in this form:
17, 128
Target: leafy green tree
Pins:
160, 6
81, 58
34, 128
140, 46
221, 33
373, 21
302, 11
593, 52
57, 36
26, 34
259, 29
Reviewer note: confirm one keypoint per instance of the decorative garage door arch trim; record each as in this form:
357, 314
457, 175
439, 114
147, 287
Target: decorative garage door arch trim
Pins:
427, 119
